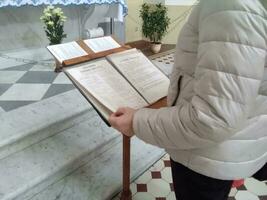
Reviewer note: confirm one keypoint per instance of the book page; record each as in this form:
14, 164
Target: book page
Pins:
101, 44
107, 85
105, 112
66, 51
149, 81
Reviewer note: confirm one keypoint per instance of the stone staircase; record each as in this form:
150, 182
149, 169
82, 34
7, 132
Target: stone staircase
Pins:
60, 149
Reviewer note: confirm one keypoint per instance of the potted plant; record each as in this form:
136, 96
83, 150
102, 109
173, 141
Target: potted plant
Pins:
155, 24
53, 19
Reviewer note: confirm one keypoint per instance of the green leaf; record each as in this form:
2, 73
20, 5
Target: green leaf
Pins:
155, 21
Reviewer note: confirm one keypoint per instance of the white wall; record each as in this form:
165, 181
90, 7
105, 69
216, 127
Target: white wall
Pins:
179, 2
21, 27
172, 2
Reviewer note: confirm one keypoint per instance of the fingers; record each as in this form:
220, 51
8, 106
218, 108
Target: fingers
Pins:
120, 111
112, 120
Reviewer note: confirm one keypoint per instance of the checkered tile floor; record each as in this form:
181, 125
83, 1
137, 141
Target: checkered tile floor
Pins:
156, 184
24, 84
164, 61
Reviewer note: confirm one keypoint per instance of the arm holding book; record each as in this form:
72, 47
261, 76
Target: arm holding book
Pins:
122, 119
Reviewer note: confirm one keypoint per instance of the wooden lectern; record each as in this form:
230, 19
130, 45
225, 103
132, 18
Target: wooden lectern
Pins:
126, 192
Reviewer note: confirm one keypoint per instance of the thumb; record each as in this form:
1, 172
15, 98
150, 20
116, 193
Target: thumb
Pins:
120, 111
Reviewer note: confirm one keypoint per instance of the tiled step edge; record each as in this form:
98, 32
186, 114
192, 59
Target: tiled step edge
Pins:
101, 178
36, 167
27, 125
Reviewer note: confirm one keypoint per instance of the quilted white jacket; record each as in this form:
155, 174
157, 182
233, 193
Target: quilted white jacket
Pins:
216, 122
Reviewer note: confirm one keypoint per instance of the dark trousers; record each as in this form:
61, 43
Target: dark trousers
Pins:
189, 185
261, 175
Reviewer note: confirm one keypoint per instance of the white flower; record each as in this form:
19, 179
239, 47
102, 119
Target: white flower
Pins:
46, 10
50, 7
57, 11
63, 18
50, 23
48, 15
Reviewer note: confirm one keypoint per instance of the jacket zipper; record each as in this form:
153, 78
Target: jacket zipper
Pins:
178, 88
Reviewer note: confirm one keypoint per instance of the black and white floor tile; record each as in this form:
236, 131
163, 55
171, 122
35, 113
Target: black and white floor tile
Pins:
164, 61
24, 84
156, 184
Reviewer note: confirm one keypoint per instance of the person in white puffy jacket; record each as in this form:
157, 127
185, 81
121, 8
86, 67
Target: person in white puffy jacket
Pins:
215, 125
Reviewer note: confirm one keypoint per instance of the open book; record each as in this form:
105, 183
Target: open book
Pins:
126, 78
83, 50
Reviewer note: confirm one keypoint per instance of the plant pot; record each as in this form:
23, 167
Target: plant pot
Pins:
155, 47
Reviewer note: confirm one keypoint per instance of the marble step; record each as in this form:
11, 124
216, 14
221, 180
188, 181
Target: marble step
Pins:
27, 125
34, 168
101, 178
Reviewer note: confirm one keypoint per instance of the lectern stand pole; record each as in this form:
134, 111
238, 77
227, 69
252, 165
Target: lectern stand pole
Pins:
126, 191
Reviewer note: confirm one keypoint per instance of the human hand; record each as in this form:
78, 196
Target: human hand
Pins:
122, 120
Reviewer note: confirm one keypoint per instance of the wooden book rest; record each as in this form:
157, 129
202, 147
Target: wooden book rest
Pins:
91, 55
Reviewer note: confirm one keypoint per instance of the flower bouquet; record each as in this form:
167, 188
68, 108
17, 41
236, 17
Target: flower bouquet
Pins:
54, 19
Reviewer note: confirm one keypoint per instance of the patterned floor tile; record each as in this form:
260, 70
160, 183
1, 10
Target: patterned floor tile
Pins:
171, 187
25, 92
156, 175
256, 187
10, 76
167, 163
23, 67
43, 68
161, 198
231, 198
57, 89
164, 62
166, 175
11, 105
62, 79
158, 188
7, 63
233, 192
143, 196
167, 69
141, 187
133, 188
166, 157
4, 87
38, 77
245, 195
145, 178
150, 186
2, 110
157, 166
171, 196
242, 187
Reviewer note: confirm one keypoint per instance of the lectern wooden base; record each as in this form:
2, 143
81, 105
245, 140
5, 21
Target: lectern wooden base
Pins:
126, 191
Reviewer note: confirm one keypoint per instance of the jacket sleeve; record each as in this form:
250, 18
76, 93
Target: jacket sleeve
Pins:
230, 64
